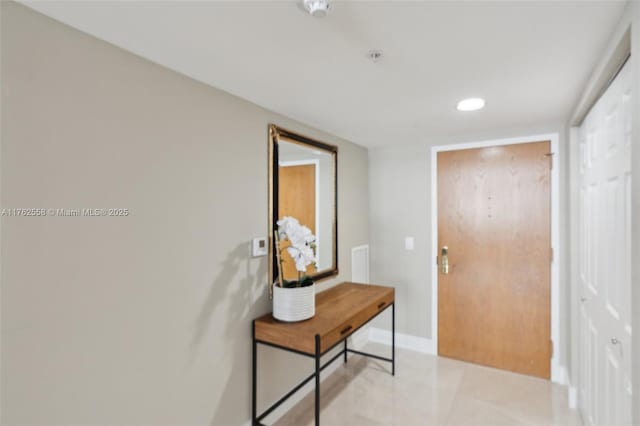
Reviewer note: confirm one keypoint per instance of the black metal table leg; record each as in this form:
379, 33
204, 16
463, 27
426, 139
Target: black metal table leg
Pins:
317, 354
393, 339
254, 412
317, 380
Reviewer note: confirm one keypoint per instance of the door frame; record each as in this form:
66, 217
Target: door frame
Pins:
557, 372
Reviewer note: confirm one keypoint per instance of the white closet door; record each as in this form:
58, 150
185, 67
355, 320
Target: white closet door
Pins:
604, 257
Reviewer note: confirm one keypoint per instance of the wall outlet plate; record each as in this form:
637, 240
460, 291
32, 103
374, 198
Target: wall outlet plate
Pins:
259, 247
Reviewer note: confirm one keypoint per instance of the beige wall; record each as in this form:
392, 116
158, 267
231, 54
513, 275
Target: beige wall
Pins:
142, 319
399, 193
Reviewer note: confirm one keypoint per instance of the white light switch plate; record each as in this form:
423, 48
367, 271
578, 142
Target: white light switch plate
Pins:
408, 243
259, 247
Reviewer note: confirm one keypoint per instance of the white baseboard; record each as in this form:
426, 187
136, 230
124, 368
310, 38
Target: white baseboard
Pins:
572, 391
573, 397
558, 373
405, 341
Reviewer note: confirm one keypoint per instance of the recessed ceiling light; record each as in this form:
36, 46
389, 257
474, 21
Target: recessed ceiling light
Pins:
471, 104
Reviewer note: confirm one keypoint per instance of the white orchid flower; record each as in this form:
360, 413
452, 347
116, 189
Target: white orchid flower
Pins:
301, 239
307, 235
287, 225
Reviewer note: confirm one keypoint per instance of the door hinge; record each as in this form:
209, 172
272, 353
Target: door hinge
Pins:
551, 254
550, 156
551, 347
436, 260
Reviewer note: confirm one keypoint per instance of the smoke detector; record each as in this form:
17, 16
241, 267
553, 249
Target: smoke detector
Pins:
374, 55
317, 8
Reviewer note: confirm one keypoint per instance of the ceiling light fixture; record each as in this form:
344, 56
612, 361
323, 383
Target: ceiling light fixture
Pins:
317, 8
471, 104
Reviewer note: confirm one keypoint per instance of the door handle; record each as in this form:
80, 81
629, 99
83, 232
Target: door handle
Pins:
445, 260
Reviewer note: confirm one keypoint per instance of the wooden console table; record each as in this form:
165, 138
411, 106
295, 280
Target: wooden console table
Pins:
340, 311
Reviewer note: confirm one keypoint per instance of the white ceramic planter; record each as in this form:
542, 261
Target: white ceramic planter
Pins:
294, 304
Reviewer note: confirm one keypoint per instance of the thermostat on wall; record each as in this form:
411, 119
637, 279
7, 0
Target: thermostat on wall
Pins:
259, 247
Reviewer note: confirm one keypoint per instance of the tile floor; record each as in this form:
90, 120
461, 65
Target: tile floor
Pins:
428, 390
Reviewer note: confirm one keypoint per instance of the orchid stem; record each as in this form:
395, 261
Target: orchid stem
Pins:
278, 256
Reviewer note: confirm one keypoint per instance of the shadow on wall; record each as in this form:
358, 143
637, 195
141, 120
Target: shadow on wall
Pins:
235, 287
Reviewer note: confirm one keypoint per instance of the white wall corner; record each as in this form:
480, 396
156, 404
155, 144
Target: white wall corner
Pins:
572, 395
563, 378
572, 391
405, 341
558, 373
360, 274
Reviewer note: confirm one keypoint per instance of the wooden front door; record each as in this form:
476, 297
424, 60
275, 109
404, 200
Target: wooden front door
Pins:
297, 198
494, 216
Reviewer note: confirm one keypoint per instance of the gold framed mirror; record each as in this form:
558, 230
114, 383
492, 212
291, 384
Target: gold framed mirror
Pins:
303, 183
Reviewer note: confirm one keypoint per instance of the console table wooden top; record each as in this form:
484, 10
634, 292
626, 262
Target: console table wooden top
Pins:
340, 311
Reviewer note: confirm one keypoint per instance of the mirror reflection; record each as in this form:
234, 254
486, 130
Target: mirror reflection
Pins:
304, 187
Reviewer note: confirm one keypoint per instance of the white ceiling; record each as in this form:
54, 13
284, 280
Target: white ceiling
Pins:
528, 59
